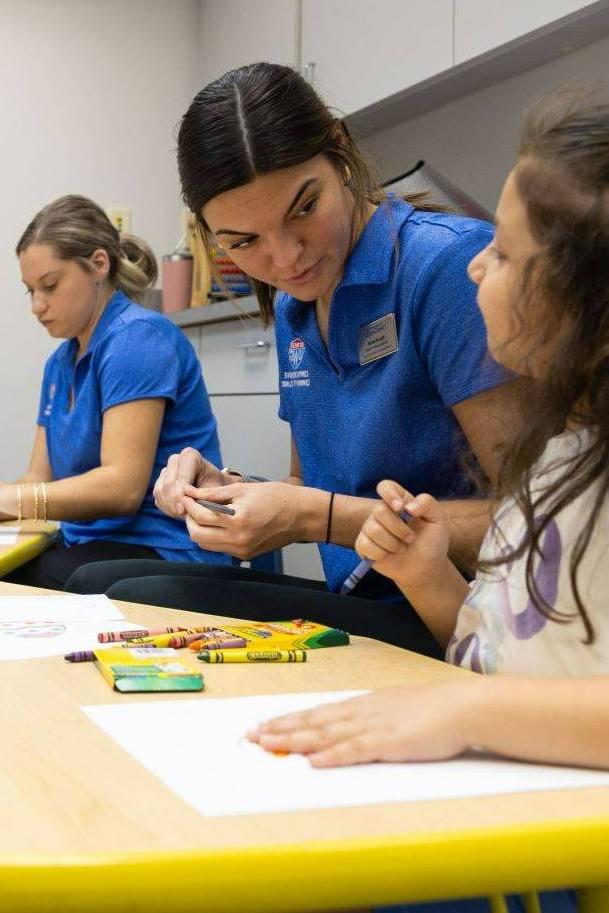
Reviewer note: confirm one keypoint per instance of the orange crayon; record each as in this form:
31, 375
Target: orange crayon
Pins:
183, 639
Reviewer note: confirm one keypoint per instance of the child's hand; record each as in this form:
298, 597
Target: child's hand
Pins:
409, 553
426, 722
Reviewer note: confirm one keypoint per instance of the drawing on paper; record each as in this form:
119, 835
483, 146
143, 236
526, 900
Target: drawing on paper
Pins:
32, 629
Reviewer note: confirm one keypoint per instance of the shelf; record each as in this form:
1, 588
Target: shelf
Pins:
525, 53
219, 312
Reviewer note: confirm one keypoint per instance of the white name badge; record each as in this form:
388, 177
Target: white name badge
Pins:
377, 339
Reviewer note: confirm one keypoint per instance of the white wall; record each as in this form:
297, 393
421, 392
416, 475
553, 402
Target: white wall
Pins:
473, 140
91, 95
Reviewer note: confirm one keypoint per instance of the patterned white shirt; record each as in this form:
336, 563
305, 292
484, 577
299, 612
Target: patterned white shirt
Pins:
499, 629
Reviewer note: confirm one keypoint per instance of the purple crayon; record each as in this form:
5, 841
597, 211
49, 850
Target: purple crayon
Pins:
364, 566
87, 656
227, 644
210, 643
81, 656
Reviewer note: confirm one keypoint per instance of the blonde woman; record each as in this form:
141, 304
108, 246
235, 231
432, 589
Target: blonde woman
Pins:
121, 393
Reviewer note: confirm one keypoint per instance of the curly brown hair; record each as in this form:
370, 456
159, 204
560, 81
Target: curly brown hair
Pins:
562, 177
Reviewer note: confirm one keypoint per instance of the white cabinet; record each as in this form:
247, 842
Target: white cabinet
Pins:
254, 439
364, 52
238, 357
482, 25
239, 364
383, 63
234, 32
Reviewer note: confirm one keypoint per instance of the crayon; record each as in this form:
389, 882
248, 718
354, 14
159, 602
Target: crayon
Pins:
253, 656
184, 640
116, 636
80, 656
86, 656
165, 640
158, 640
365, 565
217, 643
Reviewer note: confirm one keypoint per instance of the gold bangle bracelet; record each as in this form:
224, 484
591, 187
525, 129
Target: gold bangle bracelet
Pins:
35, 501
45, 501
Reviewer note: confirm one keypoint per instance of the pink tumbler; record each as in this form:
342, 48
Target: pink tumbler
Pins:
177, 281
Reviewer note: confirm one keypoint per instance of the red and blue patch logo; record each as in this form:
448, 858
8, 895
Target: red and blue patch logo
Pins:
296, 352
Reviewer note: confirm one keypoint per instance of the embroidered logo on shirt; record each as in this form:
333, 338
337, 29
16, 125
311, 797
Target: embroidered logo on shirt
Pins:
377, 339
296, 351
296, 354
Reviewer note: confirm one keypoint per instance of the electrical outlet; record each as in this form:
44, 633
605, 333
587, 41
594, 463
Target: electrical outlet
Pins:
120, 216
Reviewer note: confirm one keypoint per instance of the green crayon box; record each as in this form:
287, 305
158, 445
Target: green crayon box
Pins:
139, 669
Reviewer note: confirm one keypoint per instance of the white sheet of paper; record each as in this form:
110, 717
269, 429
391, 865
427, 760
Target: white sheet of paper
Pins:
35, 626
197, 748
9, 530
8, 538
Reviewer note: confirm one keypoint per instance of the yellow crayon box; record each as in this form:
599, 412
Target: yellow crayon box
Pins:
133, 669
277, 635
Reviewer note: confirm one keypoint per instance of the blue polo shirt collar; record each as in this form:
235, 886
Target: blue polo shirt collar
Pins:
370, 260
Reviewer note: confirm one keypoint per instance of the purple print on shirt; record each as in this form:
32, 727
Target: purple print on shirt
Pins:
526, 624
459, 650
480, 654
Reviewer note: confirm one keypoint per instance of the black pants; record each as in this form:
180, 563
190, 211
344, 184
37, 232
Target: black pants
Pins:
259, 595
52, 568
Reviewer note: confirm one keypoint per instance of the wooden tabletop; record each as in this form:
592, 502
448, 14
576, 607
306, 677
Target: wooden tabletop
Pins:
71, 794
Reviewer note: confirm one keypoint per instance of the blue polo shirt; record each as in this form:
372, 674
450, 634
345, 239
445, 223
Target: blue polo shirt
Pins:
406, 342
134, 353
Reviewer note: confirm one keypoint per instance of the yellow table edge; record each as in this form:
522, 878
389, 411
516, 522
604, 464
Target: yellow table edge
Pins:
319, 875
22, 552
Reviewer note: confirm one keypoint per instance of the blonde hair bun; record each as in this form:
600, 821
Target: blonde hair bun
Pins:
137, 267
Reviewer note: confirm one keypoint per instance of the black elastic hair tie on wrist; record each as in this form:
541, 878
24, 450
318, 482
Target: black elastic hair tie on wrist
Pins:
329, 526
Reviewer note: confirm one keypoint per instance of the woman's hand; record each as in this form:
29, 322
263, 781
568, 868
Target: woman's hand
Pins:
409, 553
426, 722
185, 468
265, 517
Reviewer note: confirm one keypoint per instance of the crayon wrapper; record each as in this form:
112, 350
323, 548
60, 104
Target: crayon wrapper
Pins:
253, 656
183, 640
155, 640
109, 637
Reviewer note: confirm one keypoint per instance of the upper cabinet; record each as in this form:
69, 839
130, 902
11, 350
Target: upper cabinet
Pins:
236, 32
482, 25
362, 52
385, 62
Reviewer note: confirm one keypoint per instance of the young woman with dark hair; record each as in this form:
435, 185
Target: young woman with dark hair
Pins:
382, 357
